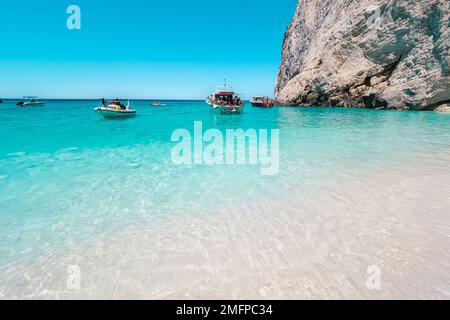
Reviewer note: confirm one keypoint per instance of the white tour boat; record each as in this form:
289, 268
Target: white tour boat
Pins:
30, 101
224, 100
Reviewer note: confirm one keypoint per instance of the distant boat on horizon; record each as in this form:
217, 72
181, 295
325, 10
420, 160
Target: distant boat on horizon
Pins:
158, 104
30, 101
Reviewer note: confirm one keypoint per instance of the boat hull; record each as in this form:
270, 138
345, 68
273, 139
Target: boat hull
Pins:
261, 105
32, 104
114, 114
228, 109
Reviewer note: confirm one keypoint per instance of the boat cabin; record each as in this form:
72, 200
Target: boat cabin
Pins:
225, 95
30, 99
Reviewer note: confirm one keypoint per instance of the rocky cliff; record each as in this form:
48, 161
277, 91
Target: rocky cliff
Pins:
367, 53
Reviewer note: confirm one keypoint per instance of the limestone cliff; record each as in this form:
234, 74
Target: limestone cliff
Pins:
367, 53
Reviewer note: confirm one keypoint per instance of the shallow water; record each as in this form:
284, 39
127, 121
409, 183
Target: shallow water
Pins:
105, 195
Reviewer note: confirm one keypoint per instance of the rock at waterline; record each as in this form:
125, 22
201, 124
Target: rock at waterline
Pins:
376, 54
445, 108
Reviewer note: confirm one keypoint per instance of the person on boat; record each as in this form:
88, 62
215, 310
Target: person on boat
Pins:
103, 103
120, 105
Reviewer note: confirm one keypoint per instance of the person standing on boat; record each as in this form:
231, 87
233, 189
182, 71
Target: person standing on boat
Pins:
103, 103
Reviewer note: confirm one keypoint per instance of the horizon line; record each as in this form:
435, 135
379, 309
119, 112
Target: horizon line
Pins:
142, 99
136, 99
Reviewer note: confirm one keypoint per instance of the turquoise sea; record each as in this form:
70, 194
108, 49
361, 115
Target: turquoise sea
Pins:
69, 178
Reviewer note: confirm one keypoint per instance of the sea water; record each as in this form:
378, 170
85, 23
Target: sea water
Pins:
106, 196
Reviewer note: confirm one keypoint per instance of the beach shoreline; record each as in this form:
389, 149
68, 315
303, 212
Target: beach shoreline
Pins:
285, 249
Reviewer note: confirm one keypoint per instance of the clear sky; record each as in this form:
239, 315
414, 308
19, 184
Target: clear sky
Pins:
161, 49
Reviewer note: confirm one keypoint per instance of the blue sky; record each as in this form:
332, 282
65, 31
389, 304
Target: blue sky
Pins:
141, 49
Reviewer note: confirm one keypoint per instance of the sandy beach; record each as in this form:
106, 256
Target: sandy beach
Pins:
313, 244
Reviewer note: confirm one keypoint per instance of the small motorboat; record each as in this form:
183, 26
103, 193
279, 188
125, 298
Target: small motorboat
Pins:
262, 102
30, 101
225, 101
158, 104
116, 110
